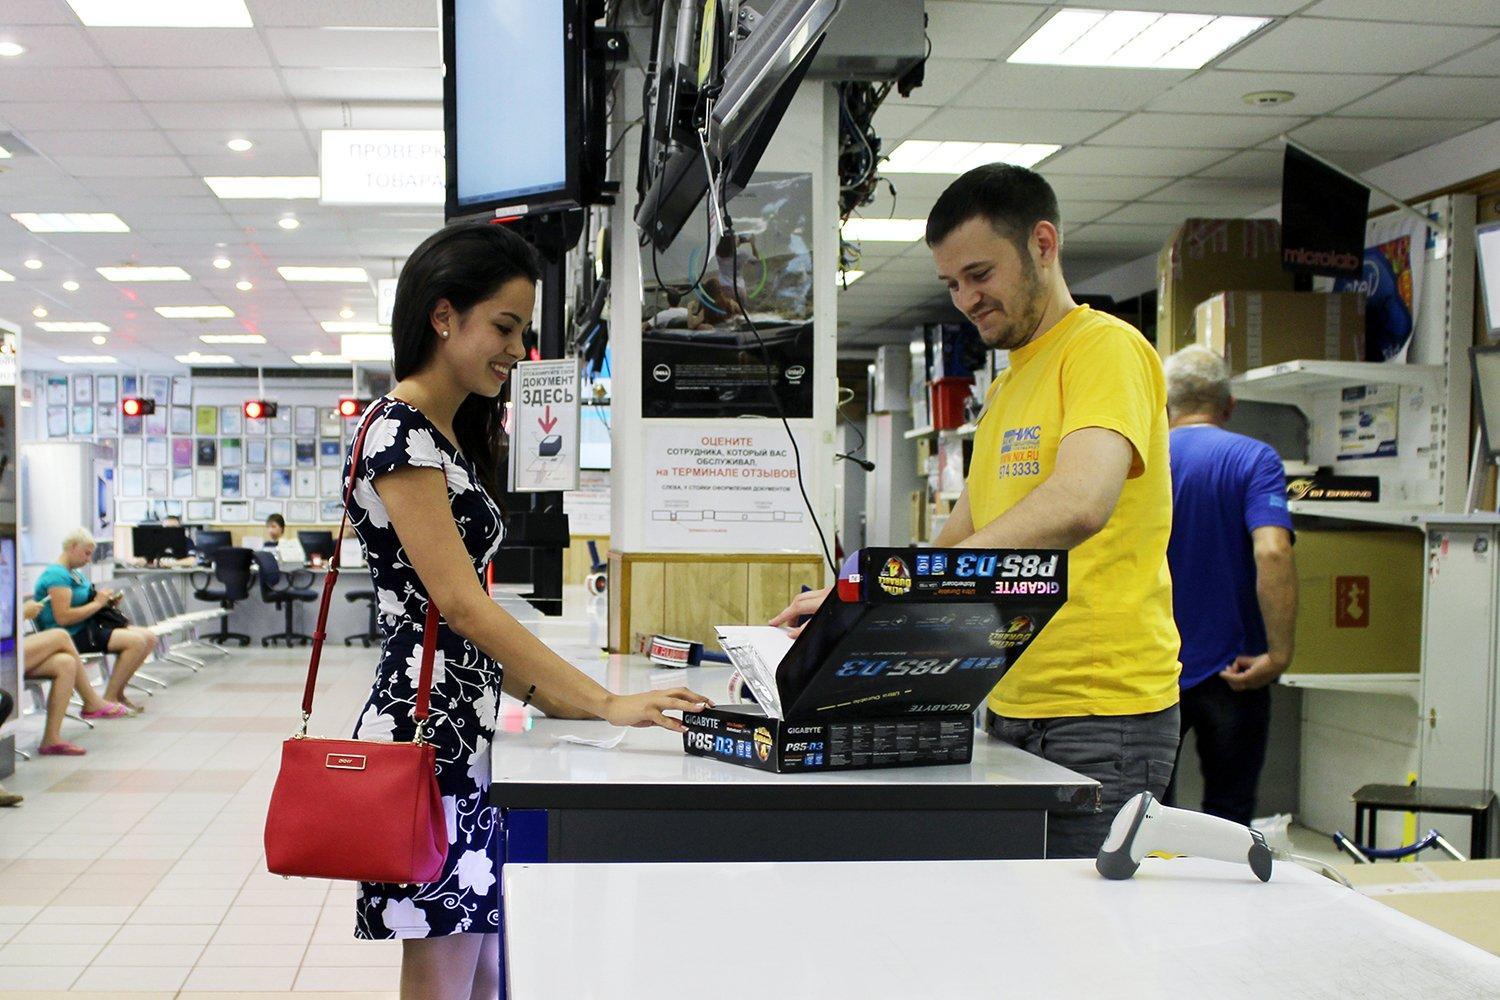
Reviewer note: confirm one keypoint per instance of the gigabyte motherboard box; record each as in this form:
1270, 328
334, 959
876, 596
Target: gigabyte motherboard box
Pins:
745, 735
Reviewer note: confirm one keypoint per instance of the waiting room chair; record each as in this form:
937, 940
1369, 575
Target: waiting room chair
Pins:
286, 591
232, 569
371, 635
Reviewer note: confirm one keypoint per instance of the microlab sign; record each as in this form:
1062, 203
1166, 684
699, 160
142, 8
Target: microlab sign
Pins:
364, 167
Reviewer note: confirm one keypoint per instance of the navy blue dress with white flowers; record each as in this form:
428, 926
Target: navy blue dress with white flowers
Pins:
465, 686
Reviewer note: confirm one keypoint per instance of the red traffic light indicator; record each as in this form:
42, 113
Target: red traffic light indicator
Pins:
137, 406
350, 407
259, 409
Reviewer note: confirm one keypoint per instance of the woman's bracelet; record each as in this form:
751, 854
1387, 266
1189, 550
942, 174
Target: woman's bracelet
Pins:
529, 695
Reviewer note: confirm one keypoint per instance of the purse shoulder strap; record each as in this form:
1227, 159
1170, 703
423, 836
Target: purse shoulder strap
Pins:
429, 628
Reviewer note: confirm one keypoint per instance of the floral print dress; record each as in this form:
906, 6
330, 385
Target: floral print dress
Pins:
465, 686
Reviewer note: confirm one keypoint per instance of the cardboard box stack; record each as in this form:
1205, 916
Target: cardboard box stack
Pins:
1208, 256
1254, 329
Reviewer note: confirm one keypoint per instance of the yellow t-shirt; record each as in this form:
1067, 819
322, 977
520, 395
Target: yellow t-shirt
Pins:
1112, 648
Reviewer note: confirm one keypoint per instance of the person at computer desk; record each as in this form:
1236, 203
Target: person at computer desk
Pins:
65, 594
275, 529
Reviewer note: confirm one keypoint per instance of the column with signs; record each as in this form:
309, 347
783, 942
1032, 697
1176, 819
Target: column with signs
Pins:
544, 427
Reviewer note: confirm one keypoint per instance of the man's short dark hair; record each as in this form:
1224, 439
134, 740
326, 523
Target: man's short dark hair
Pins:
1012, 198
277, 520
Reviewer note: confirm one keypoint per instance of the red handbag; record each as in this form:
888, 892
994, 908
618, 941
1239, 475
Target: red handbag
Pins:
358, 809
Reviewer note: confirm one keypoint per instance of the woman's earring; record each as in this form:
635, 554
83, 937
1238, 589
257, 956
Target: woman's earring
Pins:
445, 334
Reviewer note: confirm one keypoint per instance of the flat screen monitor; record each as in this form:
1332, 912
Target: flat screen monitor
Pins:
206, 543
156, 541
1487, 250
511, 94
316, 543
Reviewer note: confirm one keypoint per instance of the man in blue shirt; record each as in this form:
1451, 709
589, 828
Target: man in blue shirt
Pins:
1234, 584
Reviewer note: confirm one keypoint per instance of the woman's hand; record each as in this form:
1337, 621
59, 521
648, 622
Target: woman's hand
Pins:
642, 711
803, 605
104, 596
31, 609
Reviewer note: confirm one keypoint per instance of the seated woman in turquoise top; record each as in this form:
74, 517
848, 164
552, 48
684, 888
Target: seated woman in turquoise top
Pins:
64, 593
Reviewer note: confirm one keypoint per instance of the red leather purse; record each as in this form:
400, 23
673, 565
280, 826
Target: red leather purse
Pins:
358, 809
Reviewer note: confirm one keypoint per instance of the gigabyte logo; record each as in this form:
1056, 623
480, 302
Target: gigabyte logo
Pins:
705, 722
661, 372
803, 730
1302, 257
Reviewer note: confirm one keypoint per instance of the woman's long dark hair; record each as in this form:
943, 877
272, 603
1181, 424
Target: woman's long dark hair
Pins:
464, 263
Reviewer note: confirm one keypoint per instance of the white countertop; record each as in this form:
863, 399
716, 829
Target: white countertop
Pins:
973, 929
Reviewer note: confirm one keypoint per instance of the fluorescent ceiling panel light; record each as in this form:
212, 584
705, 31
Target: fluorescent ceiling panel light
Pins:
232, 338
88, 359
347, 275
923, 156
133, 274
162, 13
194, 358
319, 358
354, 326
73, 326
847, 278
366, 346
71, 286
11, 49
884, 230
264, 187
4, 153
240, 145
71, 222
1121, 39
6, 276
195, 312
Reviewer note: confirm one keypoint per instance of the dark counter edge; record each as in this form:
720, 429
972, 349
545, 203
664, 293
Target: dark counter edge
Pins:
771, 796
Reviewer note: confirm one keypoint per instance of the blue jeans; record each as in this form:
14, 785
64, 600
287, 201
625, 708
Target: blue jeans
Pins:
1126, 754
1233, 728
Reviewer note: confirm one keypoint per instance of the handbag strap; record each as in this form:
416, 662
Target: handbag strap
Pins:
429, 629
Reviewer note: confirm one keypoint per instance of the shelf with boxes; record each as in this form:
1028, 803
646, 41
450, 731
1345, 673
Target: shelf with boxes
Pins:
1291, 381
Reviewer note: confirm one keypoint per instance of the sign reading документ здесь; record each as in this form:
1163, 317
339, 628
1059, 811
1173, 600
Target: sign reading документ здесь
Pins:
543, 426
725, 489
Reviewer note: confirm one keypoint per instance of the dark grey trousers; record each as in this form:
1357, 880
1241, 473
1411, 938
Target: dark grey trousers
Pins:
1126, 754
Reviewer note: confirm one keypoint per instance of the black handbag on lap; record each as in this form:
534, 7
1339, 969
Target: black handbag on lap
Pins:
109, 616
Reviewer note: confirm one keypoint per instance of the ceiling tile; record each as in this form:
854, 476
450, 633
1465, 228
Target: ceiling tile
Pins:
1069, 88
1123, 161
1069, 187
1252, 164
363, 85
896, 119
1390, 136
84, 85
38, 12
1317, 45
50, 46
1430, 97
175, 115
1202, 131
1429, 12
298, 163
346, 13
92, 114
134, 143
171, 84
1222, 92
978, 31
1252, 8
164, 48
1482, 61
321, 48
1230, 190
274, 142
124, 166
1150, 213
1001, 125
316, 115
945, 79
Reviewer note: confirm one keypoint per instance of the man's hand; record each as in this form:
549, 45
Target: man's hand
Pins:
1250, 673
803, 605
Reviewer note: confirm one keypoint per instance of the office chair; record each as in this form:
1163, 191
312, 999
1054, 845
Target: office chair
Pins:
285, 590
231, 567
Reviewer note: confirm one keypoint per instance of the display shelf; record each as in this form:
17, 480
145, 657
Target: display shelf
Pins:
1375, 513
920, 432
1293, 379
1399, 684
967, 430
949, 496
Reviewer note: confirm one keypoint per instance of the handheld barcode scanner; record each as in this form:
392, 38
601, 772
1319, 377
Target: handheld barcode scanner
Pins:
1144, 825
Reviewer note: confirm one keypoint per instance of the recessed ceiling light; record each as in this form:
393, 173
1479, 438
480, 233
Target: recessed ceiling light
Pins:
87, 359
11, 49
1129, 38
99, 341
32, 264
353, 326
195, 312
39, 312
6, 276
71, 222
346, 313
847, 278
223, 263
240, 145
90, 326
4, 153
1265, 98
319, 358
232, 338
133, 273
288, 222
70, 285
194, 358
264, 187
243, 286
923, 156
347, 275
884, 230
162, 13
366, 347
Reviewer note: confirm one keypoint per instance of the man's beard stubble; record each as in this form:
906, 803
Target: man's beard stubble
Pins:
1020, 329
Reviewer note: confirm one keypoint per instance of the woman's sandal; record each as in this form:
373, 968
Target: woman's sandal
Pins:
63, 749
111, 710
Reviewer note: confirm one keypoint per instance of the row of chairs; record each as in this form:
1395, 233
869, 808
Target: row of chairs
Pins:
234, 570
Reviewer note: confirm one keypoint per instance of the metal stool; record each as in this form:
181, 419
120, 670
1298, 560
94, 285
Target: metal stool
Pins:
1476, 803
372, 634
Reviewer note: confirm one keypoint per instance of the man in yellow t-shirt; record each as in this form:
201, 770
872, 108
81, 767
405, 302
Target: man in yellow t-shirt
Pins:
1071, 453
